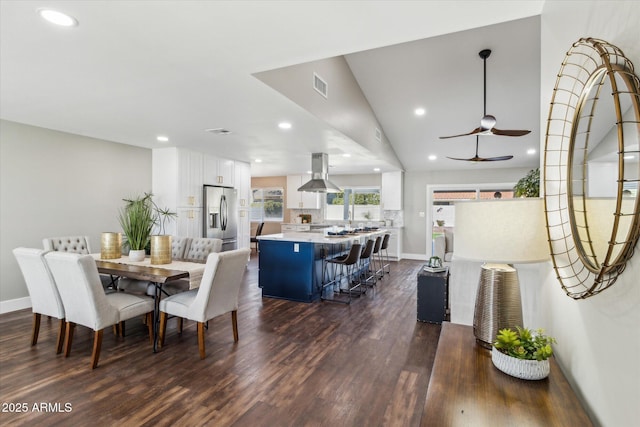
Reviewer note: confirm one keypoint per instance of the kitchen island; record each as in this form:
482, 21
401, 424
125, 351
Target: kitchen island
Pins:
291, 264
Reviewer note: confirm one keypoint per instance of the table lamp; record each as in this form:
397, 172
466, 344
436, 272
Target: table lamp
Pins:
500, 233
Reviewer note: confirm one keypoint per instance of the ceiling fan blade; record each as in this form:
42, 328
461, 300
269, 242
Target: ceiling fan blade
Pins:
509, 132
483, 159
497, 159
473, 132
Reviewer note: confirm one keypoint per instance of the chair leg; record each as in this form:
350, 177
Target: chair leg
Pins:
180, 319
36, 328
162, 328
201, 339
60, 340
97, 345
149, 322
68, 338
234, 324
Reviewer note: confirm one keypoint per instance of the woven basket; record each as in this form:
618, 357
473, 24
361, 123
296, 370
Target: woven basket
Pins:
520, 368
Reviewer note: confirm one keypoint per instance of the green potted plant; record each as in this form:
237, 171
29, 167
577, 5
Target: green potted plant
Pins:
523, 353
138, 218
529, 185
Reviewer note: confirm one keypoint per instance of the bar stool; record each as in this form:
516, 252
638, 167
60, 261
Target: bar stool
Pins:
383, 247
366, 275
349, 263
377, 263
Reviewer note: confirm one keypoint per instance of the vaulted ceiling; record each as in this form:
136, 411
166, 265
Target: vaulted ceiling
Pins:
133, 70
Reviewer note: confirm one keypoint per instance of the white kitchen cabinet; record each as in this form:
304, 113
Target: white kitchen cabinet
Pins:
391, 197
395, 243
243, 187
301, 199
189, 222
218, 171
243, 184
294, 227
176, 181
244, 229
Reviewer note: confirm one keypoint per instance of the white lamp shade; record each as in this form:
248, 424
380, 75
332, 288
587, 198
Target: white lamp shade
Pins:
501, 231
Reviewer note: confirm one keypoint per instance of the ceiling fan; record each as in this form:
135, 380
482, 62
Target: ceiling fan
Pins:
488, 121
477, 158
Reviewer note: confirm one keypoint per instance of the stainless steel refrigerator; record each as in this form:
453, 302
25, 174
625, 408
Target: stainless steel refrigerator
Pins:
220, 220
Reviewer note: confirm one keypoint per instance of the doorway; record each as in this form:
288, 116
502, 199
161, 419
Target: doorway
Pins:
440, 209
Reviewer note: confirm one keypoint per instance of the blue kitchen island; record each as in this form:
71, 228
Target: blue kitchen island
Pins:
291, 265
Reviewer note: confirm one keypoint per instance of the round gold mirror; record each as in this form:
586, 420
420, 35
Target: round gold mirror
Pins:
592, 167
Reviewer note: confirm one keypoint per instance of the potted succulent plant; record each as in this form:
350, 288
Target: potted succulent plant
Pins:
523, 353
138, 218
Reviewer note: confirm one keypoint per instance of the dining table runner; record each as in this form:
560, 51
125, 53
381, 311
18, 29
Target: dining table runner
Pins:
194, 269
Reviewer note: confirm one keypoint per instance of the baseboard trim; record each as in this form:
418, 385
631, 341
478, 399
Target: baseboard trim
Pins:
417, 257
14, 305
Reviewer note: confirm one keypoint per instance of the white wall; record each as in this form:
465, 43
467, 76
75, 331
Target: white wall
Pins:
58, 184
598, 340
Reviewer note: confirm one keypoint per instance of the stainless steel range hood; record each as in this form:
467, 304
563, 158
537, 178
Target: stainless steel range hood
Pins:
320, 179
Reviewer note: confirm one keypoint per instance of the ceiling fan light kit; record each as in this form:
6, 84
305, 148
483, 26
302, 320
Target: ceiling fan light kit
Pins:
487, 122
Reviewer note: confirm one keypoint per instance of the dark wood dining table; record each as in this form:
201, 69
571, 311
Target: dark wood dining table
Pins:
156, 275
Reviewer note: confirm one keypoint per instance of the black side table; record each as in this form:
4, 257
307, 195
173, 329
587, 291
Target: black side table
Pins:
433, 295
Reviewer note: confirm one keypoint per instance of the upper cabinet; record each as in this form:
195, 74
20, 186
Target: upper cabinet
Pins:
391, 197
218, 171
300, 199
243, 184
176, 177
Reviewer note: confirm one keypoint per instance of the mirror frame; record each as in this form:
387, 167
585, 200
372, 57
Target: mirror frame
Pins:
587, 59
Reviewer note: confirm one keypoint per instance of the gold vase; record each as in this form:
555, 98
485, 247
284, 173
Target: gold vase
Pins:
110, 245
161, 249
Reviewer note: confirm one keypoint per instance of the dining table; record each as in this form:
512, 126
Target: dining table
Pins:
156, 274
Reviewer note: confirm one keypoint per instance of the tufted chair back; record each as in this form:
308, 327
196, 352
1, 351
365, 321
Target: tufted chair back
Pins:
72, 244
201, 247
179, 246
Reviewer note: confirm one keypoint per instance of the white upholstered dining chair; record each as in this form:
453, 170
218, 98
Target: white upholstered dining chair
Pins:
43, 291
73, 244
85, 302
217, 295
200, 247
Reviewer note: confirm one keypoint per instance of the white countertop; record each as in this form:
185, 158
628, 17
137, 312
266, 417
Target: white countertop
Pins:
302, 237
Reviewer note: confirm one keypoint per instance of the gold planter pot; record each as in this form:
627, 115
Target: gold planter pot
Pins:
110, 245
161, 249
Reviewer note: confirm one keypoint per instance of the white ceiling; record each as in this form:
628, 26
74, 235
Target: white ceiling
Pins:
133, 70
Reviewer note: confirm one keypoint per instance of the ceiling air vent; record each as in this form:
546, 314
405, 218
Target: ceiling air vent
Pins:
378, 135
320, 85
219, 131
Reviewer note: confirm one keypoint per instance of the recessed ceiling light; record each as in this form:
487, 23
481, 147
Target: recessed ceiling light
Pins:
58, 18
284, 125
258, 160
420, 111
432, 157
162, 138
531, 151
376, 169
346, 155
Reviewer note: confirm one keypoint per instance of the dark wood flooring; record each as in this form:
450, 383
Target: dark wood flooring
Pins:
296, 364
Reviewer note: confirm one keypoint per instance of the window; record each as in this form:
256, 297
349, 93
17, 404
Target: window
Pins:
363, 204
443, 209
267, 204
